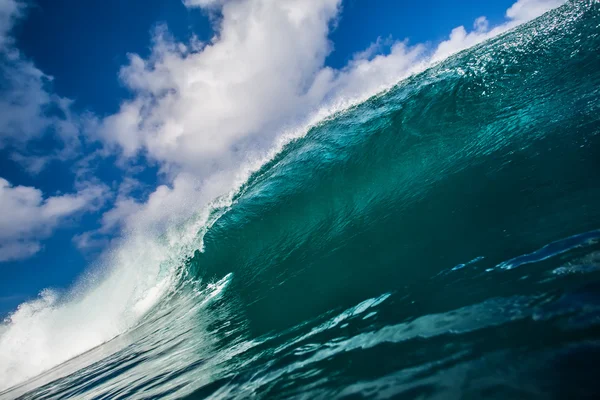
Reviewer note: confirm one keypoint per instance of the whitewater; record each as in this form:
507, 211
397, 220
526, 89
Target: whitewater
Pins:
437, 239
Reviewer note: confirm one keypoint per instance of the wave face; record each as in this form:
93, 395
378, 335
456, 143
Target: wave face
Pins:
440, 240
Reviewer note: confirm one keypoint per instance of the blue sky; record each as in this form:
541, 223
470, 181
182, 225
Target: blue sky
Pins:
89, 132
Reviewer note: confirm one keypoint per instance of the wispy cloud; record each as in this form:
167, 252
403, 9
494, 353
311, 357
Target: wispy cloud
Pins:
9, 11
29, 110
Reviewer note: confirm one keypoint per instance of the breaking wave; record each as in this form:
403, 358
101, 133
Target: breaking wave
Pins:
440, 238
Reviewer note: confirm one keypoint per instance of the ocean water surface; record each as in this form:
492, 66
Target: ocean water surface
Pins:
440, 240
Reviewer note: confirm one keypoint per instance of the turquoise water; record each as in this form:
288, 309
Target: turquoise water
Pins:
440, 240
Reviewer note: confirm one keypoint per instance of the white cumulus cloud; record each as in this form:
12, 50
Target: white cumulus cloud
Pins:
27, 216
201, 108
